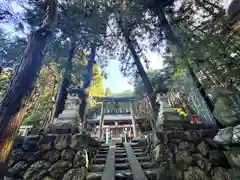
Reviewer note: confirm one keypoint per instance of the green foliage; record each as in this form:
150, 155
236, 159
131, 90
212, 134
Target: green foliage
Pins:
4, 80
198, 29
41, 101
125, 93
97, 88
159, 79
209, 43
108, 92
34, 120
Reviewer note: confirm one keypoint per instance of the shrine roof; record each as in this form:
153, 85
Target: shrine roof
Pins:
113, 117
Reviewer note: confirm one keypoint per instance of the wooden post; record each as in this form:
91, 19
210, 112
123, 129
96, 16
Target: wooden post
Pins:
101, 122
133, 120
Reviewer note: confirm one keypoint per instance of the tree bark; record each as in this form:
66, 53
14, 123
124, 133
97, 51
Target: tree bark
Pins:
171, 37
23, 80
147, 85
101, 122
13, 131
64, 84
133, 120
146, 82
142, 72
82, 112
87, 81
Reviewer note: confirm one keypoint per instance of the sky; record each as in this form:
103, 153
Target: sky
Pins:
115, 80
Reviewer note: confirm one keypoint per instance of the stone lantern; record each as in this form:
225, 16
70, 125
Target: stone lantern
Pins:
74, 102
70, 114
166, 112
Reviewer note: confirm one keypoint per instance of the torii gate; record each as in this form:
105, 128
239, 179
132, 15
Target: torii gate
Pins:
116, 100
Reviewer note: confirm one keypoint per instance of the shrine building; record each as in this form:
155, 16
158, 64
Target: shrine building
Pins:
115, 120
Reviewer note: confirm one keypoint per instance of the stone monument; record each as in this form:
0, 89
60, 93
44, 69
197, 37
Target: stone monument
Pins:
166, 112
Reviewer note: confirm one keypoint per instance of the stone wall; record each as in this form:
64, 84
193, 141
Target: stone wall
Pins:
55, 153
192, 155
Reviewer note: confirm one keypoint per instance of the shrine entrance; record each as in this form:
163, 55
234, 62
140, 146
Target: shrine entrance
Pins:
118, 115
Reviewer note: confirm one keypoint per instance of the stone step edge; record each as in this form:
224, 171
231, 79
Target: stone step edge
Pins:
99, 174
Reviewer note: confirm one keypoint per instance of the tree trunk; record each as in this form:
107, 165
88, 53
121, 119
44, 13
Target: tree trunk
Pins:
82, 112
101, 122
142, 72
64, 84
23, 80
133, 120
88, 76
170, 36
13, 129
147, 85
87, 81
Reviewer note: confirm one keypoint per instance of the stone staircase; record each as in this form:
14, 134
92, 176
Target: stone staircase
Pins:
122, 162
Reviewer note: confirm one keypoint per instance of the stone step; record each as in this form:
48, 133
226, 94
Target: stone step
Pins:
120, 160
151, 174
101, 155
103, 149
136, 146
120, 151
120, 155
102, 152
119, 144
122, 166
140, 159
135, 140
138, 150
99, 160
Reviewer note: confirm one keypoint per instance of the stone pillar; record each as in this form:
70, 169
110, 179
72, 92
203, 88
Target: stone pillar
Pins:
166, 112
25, 132
70, 114
133, 120
164, 100
101, 122
69, 119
